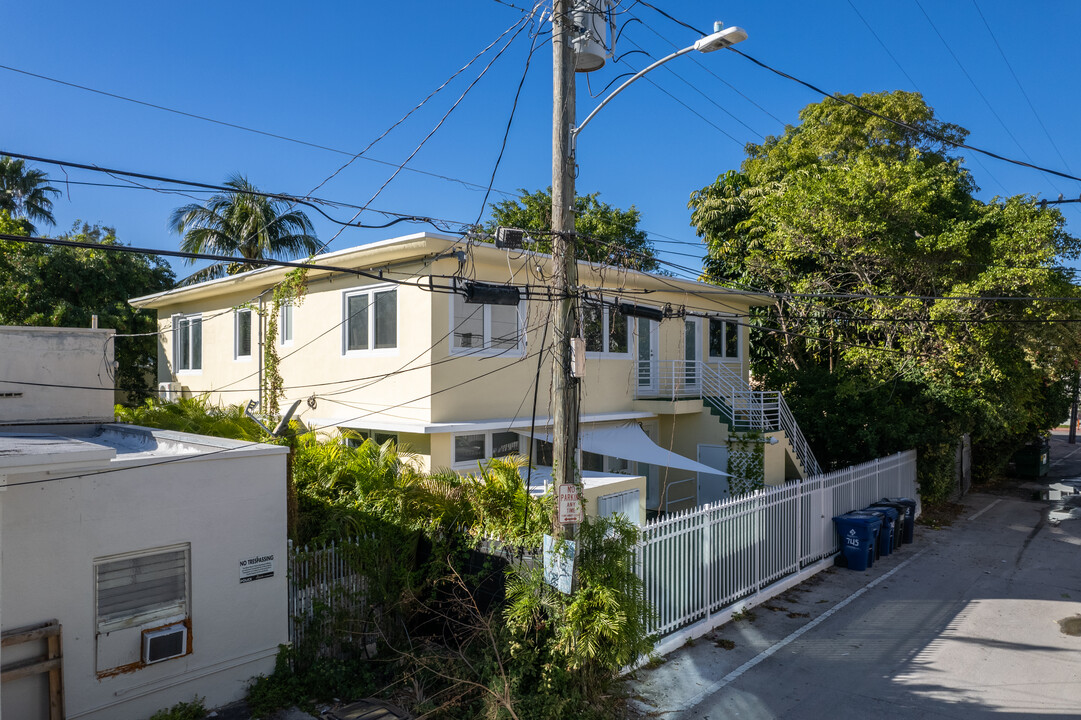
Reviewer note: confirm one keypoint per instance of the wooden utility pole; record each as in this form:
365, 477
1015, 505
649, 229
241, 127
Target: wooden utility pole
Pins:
564, 257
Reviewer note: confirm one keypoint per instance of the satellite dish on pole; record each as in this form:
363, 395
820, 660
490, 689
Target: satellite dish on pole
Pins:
593, 25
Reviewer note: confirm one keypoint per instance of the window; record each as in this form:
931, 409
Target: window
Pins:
484, 327
187, 342
603, 463
242, 335
356, 438
723, 338
285, 324
474, 447
605, 330
371, 320
142, 588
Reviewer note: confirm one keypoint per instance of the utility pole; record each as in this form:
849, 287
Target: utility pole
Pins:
564, 257
1073, 404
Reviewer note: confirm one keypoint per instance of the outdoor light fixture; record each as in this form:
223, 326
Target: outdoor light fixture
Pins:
488, 294
282, 426
720, 39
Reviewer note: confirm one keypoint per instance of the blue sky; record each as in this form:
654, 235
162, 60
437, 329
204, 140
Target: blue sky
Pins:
340, 74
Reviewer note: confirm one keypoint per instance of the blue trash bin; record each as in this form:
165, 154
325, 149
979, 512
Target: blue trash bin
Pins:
890, 518
859, 536
899, 522
910, 516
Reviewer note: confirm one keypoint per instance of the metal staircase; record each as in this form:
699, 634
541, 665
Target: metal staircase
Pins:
724, 392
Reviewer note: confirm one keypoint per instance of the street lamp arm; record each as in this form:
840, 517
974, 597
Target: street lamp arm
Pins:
618, 90
715, 41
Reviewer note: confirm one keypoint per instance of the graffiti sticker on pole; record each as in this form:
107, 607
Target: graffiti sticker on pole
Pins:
570, 506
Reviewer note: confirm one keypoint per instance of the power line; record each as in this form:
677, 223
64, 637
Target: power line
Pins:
1019, 85
899, 123
312, 203
286, 138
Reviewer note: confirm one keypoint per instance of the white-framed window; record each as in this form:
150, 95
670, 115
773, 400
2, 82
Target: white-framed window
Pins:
187, 343
370, 320
723, 338
483, 327
471, 448
356, 437
606, 330
285, 324
242, 334
142, 588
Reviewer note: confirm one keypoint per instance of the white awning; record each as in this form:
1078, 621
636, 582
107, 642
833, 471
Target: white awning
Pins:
629, 442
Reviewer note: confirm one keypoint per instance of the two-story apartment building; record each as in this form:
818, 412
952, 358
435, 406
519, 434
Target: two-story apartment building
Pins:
408, 339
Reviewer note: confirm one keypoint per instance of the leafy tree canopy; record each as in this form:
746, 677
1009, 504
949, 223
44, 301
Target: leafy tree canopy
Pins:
857, 213
54, 286
606, 234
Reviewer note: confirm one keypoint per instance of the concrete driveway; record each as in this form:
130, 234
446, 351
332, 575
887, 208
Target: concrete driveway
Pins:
971, 620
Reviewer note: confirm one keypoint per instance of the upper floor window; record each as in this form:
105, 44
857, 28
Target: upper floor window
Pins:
476, 326
371, 320
187, 342
242, 334
723, 338
605, 330
285, 324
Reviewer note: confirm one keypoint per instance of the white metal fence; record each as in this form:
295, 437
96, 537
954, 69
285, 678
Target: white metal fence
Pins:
327, 597
693, 564
699, 562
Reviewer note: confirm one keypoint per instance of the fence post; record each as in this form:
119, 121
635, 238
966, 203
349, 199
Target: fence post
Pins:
799, 527
707, 561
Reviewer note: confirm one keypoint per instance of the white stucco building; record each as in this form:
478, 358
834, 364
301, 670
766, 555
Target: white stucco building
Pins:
159, 555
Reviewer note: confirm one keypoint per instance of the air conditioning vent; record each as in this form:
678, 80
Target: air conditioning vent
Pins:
165, 643
169, 391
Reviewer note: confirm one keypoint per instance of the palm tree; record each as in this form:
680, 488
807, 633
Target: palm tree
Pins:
24, 192
240, 222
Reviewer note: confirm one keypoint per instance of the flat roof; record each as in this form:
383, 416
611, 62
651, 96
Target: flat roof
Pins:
96, 446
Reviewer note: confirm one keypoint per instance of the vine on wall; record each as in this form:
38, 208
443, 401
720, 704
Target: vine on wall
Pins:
289, 291
746, 462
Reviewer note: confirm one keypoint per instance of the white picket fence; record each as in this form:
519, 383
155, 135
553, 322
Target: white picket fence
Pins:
700, 562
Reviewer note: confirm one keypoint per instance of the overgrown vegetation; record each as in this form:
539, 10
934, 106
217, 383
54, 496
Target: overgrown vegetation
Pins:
442, 626
906, 311
194, 710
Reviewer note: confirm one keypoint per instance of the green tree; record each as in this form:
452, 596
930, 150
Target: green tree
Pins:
62, 287
24, 192
241, 223
606, 234
854, 212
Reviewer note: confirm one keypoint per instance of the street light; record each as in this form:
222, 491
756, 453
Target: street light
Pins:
565, 396
716, 41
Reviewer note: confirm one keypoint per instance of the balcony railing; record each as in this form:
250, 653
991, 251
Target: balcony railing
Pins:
724, 389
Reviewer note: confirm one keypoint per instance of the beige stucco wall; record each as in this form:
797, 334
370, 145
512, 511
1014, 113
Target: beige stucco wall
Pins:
73, 367
593, 491
229, 507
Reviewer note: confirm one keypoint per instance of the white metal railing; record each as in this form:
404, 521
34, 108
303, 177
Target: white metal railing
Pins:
691, 496
724, 388
697, 563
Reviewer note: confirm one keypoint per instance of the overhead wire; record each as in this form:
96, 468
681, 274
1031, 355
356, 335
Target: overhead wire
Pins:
235, 126
899, 123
